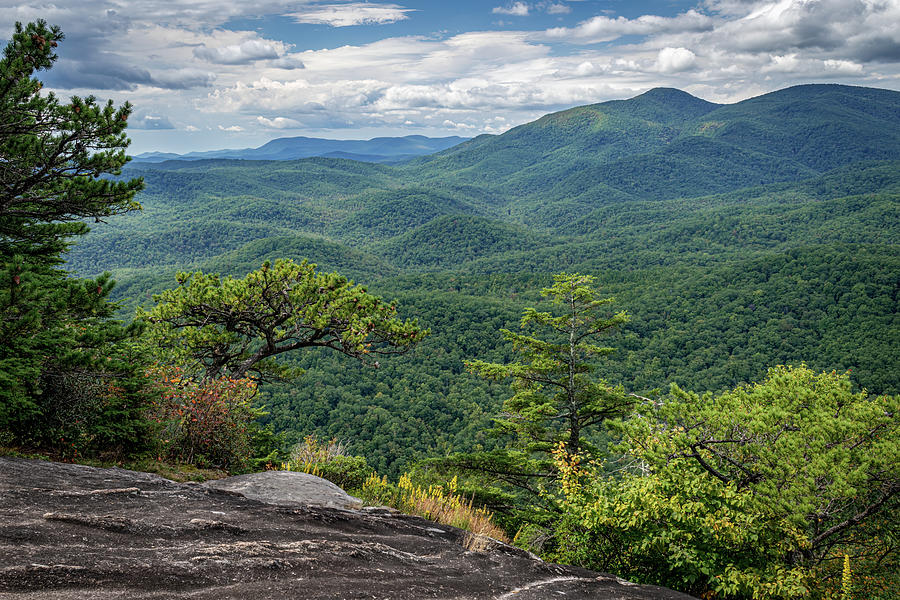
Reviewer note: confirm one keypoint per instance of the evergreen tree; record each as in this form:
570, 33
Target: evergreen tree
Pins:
236, 327
556, 397
53, 154
66, 376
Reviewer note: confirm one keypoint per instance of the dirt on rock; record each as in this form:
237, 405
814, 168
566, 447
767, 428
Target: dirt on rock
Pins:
71, 531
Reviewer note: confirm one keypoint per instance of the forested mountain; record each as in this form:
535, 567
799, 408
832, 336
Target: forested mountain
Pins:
666, 144
737, 236
380, 149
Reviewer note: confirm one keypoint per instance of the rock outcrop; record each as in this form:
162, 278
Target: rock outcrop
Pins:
287, 488
71, 531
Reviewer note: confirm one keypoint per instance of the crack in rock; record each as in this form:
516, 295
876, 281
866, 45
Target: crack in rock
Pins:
125, 525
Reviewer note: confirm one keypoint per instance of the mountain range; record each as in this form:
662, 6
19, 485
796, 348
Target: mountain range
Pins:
736, 236
380, 149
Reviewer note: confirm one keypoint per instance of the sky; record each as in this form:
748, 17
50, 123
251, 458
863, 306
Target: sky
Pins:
210, 74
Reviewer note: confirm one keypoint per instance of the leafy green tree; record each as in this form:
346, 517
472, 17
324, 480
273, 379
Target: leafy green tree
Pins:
758, 492
556, 396
66, 374
224, 325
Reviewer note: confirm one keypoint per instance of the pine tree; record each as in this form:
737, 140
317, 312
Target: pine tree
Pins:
54, 155
65, 377
236, 327
556, 397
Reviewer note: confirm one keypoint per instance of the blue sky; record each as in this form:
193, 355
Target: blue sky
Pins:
205, 74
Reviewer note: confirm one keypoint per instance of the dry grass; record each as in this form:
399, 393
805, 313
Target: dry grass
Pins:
475, 542
312, 450
437, 503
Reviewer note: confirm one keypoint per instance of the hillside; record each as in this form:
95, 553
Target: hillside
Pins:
737, 236
819, 126
451, 240
667, 144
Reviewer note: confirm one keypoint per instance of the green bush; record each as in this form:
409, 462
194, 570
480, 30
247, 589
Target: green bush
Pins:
758, 492
347, 472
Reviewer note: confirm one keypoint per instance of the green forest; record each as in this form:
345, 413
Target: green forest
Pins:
656, 337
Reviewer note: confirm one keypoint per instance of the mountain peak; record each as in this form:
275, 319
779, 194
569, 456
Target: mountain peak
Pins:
827, 92
668, 94
667, 104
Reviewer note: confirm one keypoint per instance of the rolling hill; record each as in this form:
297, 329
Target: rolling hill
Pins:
737, 236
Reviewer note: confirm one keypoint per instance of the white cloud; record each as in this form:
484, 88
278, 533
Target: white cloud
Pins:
675, 60
353, 13
193, 15
249, 51
458, 126
279, 123
844, 67
298, 97
863, 29
604, 29
558, 9
191, 128
184, 59
585, 68
518, 9
149, 121
788, 63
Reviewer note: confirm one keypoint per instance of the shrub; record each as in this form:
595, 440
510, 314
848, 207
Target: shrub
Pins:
206, 422
84, 412
312, 450
329, 461
347, 472
758, 492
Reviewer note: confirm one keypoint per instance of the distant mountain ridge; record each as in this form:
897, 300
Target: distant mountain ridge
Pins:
560, 175
379, 149
667, 144
818, 126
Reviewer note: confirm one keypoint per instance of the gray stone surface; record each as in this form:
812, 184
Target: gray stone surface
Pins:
75, 532
287, 488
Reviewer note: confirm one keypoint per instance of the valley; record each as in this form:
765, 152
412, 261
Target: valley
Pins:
641, 347
737, 237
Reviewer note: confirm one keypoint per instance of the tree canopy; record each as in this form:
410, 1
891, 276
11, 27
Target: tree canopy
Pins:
760, 491
67, 376
226, 325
